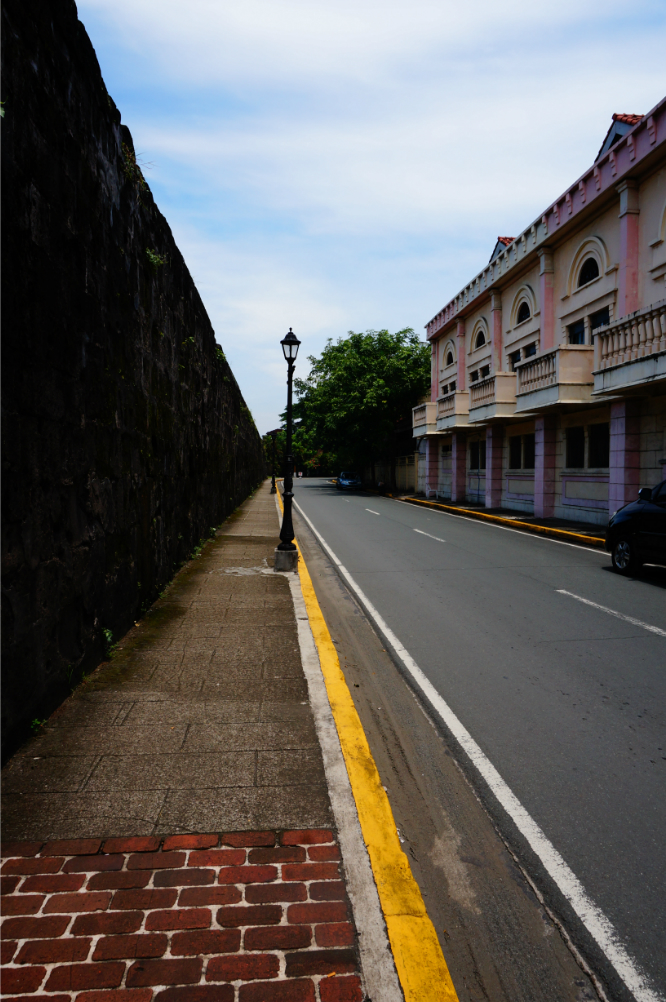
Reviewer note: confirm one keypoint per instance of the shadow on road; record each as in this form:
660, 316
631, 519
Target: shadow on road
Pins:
652, 574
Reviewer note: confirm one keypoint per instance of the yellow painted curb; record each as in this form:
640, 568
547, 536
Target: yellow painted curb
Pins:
542, 530
418, 956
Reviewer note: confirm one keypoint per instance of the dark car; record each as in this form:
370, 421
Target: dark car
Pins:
636, 534
349, 481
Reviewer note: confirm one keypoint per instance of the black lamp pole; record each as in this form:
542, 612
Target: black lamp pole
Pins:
273, 435
290, 346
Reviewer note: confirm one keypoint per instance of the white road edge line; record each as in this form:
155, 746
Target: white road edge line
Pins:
379, 973
422, 533
507, 528
594, 920
372, 512
612, 612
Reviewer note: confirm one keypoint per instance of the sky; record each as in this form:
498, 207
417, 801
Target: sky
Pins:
336, 165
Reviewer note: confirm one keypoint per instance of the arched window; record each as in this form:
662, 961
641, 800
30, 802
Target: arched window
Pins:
524, 312
588, 271
480, 339
449, 358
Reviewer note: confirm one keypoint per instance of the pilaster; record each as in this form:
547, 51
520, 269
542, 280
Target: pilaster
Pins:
434, 371
494, 453
627, 298
496, 314
625, 456
432, 466
544, 466
462, 356
547, 298
459, 467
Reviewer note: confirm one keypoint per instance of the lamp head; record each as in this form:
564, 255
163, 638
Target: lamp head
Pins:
290, 345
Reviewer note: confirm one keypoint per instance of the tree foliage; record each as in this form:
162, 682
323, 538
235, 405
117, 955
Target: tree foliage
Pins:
358, 390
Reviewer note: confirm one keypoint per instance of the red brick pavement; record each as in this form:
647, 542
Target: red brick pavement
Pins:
238, 917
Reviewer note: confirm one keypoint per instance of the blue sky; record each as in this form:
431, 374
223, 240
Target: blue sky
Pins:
349, 165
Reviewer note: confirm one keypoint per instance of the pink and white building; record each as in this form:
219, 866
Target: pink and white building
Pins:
549, 367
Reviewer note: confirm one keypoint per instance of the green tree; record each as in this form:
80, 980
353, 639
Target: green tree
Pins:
358, 390
280, 441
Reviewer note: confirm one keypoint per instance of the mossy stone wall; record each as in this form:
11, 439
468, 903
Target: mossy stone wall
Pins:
125, 435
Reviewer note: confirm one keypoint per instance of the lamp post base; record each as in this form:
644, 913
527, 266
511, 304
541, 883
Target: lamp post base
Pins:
285, 560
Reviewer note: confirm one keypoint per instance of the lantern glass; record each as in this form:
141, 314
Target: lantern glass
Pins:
290, 345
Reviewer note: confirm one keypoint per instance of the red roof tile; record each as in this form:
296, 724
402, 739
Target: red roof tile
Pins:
629, 119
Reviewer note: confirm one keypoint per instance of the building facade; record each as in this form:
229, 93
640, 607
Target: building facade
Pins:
548, 387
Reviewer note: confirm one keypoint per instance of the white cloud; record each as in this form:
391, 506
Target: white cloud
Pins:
348, 163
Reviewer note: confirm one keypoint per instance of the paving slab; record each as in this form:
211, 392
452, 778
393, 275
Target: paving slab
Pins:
168, 835
204, 701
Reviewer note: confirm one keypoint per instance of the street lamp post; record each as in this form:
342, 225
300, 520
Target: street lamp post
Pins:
273, 435
286, 554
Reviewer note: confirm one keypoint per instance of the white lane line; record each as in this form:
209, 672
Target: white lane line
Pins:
592, 917
612, 612
422, 533
372, 512
506, 528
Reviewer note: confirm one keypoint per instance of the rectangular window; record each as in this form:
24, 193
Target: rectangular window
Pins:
528, 452
446, 449
452, 386
475, 376
473, 455
577, 332
598, 445
514, 359
575, 448
482, 455
514, 452
485, 371
600, 319
529, 350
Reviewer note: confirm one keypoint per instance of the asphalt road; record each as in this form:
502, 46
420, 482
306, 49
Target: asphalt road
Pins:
567, 701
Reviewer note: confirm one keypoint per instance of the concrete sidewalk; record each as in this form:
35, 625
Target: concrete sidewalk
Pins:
171, 826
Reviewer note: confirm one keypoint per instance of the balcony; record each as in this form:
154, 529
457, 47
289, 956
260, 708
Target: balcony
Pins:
424, 419
453, 410
494, 397
632, 351
560, 376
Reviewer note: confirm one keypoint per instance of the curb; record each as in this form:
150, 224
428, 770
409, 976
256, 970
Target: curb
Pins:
541, 530
421, 967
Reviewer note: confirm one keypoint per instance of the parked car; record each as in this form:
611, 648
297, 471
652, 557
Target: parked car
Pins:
636, 533
349, 480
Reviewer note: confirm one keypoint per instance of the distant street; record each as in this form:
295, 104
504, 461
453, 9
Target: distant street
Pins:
565, 699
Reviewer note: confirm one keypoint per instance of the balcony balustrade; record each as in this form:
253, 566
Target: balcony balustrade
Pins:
632, 351
424, 419
560, 376
494, 397
453, 410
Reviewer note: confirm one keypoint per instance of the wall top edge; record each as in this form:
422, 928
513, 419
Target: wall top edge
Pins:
606, 173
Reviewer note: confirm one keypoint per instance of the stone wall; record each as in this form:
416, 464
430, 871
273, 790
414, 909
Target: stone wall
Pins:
125, 435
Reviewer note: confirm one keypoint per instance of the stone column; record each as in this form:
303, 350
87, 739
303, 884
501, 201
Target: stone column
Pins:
625, 456
496, 312
627, 298
544, 466
461, 382
432, 466
547, 299
494, 452
459, 467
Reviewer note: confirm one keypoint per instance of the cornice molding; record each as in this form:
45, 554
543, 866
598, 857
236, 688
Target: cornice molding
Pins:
607, 175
